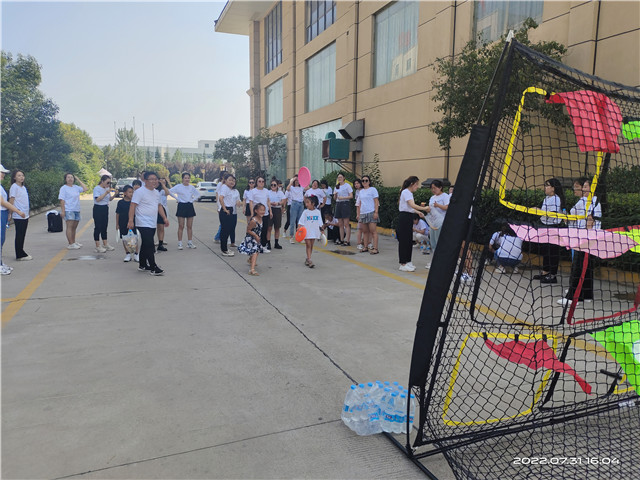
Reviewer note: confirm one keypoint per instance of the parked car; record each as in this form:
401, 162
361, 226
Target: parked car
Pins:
207, 190
123, 182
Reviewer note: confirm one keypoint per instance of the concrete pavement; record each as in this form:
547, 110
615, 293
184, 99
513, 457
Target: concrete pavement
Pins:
205, 372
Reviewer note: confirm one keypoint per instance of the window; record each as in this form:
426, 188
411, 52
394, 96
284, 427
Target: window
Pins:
273, 38
495, 18
321, 78
319, 16
311, 148
206, 145
396, 42
273, 94
278, 158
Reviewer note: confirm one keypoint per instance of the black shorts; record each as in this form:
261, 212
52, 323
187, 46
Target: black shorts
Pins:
343, 209
160, 220
185, 210
277, 217
247, 210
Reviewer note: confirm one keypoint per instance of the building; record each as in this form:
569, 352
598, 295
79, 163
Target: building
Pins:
316, 66
205, 147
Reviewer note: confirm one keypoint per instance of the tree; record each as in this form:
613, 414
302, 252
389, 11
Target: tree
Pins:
462, 83
86, 156
160, 169
242, 152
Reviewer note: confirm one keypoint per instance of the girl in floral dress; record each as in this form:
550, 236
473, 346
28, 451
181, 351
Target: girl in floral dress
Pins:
251, 245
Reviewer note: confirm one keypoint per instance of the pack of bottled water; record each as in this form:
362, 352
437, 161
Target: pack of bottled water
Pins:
376, 407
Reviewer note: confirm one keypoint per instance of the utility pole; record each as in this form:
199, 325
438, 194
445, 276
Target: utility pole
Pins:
145, 147
135, 148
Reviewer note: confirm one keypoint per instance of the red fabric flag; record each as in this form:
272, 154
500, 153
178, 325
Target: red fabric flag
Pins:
596, 119
535, 355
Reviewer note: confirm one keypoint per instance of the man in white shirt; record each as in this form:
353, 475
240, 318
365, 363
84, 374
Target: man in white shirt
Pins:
145, 208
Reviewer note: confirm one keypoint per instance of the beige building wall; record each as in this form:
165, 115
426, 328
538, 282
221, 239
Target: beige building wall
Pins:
602, 38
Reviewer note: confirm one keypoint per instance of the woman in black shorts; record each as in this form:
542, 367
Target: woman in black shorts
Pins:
186, 194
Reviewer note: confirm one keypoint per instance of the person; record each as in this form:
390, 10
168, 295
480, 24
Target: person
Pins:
19, 197
229, 199
101, 198
186, 194
136, 184
246, 197
357, 185
221, 180
143, 212
314, 189
260, 195
420, 232
122, 218
252, 244
468, 261
591, 213
296, 193
407, 208
438, 206
328, 193
311, 220
163, 187
331, 227
69, 197
508, 249
276, 202
368, 205
343, 194
553, 202
5, 208
287, 197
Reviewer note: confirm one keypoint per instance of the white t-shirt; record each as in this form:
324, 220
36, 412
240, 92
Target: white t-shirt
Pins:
317, 192
287, 195
4, 196
580, 208
405, 196
495, 240
229, 197
312, 221
327, 194
71, 197
510, 247
185, 193
21, 201
261, 196
551, 204
297, 193
246, 196
276, 197
163, 198
366, 200
147, 202
97, 191
436, 215
343, 191
422, 226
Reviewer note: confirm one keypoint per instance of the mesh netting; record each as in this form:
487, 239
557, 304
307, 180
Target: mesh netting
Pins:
531, 373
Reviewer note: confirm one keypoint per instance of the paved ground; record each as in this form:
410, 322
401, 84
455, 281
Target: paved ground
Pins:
206, 372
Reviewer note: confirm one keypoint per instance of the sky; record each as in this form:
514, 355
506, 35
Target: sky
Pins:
160, 62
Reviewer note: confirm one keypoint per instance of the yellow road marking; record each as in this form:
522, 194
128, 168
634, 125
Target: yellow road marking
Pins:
17, 303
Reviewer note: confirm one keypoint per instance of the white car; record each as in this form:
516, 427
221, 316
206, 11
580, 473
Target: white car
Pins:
207, 190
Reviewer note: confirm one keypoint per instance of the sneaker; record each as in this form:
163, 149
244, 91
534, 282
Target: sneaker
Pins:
25, 259
465, 278
190, 245
4, 265
292, 240
156, 272
136, 257
79, 245
127, 257
516, 270
180, 247
406, 268
162, 248
427, 266
564, 301
109, 248
370, 246
142, 268
5, 270
500, 269
265, 250
100, 250
360, 246
73, 246
277, 246
228, 253
411, 265
549, 278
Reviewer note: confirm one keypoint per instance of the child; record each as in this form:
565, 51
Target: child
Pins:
122, 217
251, 245
420, 233
312, 221
509, 249
331, 223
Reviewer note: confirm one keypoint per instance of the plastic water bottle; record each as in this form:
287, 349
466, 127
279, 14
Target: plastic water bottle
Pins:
367, 406
374, 408
400, 415
348, 410
359, 424
412, 409
388, 410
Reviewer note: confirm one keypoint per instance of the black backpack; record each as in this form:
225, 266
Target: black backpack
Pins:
54, 221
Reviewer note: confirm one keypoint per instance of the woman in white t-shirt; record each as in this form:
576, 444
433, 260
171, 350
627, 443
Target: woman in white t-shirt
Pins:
276, 202
343, 194
368, 205
553, 202
357, 187
163, 187
328, 194
69, 197
261, 195
5, 207
296, 194
229, 200
101, 198
315, 190
404, 231
19, 197
438, 206
186, 194
246, 197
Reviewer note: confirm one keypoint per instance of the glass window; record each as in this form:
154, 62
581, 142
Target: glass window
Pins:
311, 148
321, 78
273, 38
278, 158
495, 18
319, 16
273, 94
396, 42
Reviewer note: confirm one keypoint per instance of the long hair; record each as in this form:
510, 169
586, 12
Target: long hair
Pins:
406, 184
13, 175
558, 190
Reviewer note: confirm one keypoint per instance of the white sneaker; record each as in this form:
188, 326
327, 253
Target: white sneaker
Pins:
407, 268
180, 247
427, 266
24, 259
127, 257
100, 249
292, 240
190, 245
136, 257
500, 269
515, 270
265, 250
465, 278
4, 265
5, 270
79, 244
109, 247
370, 246
411, 265
360, 246
228, 253
73, 246
564, 301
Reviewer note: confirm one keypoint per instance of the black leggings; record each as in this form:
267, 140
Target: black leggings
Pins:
550, 258
228, 223
286, 225
100, 221
147, 248
265, 226
21, 232
404, 233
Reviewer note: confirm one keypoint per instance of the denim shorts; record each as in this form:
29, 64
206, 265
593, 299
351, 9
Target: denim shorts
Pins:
72, 215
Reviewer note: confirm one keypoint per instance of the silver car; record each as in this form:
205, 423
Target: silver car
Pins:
207, 191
